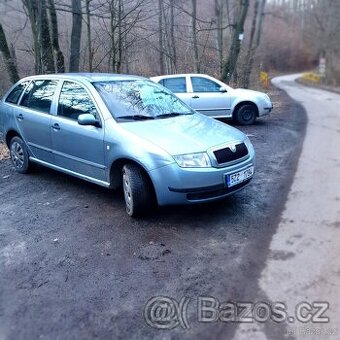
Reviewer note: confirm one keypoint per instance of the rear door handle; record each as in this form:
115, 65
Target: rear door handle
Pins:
20, 116
195, 97
56, 127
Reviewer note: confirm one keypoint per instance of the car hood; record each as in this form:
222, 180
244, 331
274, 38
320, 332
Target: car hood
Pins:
184, 134
245, 93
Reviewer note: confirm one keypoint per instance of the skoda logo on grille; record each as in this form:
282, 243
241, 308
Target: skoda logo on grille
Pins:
232, 147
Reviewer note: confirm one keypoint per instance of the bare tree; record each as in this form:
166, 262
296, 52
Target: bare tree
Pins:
219, 14
37, 15
254, 41
172, 36
235, 47
160, 37
59, 57
194, 36
75, 35
46, 43
9, 62
88, 31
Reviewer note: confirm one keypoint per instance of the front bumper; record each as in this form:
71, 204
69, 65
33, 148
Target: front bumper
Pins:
265, 109
176, 185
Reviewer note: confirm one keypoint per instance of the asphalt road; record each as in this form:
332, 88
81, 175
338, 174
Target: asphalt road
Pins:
73, 265
308, 235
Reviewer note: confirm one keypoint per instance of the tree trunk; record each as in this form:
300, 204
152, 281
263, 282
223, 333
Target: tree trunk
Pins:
32, 11
59, 57
259, 25
120, 38
46, 44
172, 38
9, 62
255, 36
160, 37
219, 32
230, 65
88, 31
113, 28
249, 58
75, 36
194, 35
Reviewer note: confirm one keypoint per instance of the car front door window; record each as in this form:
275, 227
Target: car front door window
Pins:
74, 101
200, 84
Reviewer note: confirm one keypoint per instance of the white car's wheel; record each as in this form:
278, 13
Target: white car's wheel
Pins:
246, 114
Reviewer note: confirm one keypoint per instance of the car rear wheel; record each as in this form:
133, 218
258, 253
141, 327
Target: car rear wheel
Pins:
137, 191
246, 114
19, 155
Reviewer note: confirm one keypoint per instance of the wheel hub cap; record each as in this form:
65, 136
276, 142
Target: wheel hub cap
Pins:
17, 154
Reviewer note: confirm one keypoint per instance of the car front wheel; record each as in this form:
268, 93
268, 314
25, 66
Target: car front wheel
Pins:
137, 191
19, 155
246, 114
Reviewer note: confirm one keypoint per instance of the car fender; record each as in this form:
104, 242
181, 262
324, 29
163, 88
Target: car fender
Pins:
239, 101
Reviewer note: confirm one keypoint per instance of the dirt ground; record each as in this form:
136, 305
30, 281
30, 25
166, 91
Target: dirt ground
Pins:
74, 266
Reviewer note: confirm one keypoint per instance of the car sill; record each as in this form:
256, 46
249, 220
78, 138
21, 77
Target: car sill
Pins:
72, 173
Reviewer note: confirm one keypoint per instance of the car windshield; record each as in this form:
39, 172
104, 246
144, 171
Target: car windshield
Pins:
140, 100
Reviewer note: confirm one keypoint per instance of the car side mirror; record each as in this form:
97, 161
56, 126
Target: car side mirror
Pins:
88, 119
223, 89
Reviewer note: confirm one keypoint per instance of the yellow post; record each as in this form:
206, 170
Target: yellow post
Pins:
264, 77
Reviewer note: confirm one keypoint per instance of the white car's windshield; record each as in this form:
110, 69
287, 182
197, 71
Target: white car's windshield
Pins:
139, 99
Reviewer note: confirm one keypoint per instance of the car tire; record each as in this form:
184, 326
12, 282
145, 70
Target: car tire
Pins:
246, 114
137, 191
19, 155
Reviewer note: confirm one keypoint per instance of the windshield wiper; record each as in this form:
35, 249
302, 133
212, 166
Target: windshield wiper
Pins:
135, 117
171, 114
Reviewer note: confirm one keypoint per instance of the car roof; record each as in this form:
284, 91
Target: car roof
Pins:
91, 77
180, 75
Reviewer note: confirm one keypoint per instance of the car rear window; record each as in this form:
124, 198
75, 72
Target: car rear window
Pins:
176, 85
15, 94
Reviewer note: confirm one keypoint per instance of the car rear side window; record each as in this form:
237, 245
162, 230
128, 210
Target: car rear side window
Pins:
74, 101
15, 94
176, 85
200, 84
39, 95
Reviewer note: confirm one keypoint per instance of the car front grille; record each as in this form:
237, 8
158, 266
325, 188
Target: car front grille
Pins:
226, 155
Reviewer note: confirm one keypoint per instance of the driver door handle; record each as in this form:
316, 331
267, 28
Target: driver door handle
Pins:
56, 127
195, 97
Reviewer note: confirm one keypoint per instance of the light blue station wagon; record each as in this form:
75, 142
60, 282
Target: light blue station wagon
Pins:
124, 131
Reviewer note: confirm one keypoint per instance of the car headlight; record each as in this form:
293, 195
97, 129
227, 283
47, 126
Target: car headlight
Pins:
248, 143
193, 160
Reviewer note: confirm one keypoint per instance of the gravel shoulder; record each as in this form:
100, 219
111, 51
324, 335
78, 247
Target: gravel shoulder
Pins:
74, 265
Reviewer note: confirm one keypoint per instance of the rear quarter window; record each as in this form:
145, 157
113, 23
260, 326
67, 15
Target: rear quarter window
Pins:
15, 94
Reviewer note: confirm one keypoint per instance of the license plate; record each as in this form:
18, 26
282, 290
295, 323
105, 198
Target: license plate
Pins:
240, 176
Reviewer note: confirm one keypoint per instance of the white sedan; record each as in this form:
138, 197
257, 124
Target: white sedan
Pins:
213, 98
